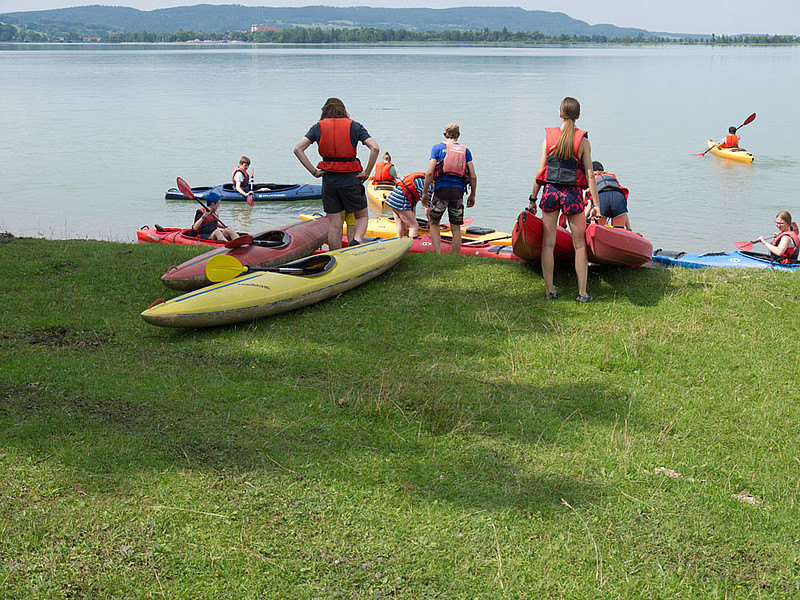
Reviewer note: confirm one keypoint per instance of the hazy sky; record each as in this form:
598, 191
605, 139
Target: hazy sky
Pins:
675, 16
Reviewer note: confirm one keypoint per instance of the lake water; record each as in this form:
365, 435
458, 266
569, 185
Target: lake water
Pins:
92, 136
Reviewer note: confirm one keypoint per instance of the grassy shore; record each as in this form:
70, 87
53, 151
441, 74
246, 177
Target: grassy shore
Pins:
440, 432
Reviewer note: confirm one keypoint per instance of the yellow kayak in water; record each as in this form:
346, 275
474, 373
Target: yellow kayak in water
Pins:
271, 290
739, 154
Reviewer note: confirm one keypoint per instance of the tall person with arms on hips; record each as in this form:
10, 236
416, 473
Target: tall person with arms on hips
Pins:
565, 170
337, 136
451, 169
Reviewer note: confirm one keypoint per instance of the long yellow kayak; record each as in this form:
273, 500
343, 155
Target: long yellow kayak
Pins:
273, 290
739, 154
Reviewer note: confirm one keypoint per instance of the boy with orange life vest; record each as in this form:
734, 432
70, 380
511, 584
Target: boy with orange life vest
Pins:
403, 202
241, 179
450, 169
385, 171
613, 198
337, 136
731, 140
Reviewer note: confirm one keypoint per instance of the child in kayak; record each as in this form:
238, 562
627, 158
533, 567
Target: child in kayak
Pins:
206, 222
731, 140
613, 198
785, 246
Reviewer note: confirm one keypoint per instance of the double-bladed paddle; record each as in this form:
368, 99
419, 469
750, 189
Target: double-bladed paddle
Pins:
223, 267
748, 120
186, 190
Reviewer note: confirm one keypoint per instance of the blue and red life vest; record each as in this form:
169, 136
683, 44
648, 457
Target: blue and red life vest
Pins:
245, 181
336, 147
562, 172
609, 181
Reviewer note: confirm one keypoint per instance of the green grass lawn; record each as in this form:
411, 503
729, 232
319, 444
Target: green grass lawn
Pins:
442, 431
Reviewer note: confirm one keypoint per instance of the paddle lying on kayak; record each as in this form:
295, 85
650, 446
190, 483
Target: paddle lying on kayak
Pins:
223, 267
747, 121
186, 190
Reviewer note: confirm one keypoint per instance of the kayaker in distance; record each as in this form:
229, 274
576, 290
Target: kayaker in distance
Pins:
403, 202
731, 140
450, 169
206, 223
565, 170
613, 198
337, 136
385, 171
785, 246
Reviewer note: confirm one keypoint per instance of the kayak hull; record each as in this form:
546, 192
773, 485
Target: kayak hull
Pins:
270, 248
737, 154
616, 246
734, 259
278, 192
260, 294
173, 235
526, 240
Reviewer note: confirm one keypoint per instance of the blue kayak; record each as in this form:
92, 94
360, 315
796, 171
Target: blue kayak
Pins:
735, 259
264, 192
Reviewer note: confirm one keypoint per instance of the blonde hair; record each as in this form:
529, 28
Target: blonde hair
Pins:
334, 109
569, 110
452, 131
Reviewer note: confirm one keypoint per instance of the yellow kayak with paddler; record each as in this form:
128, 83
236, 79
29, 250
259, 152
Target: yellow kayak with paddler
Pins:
738, 154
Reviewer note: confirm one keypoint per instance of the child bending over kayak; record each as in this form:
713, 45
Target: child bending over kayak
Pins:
613, 198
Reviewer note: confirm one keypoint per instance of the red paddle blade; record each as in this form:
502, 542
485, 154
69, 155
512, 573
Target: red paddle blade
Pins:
749, 119
242, 240
746, 246
250, 199
185, 189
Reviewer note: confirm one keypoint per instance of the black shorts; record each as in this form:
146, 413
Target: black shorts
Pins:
348, 199
450, 199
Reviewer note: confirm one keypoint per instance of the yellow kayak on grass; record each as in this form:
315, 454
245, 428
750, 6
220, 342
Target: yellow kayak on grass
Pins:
739, 154
268, 291
376, 196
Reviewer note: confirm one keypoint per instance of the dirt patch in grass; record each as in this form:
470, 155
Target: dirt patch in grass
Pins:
59, 337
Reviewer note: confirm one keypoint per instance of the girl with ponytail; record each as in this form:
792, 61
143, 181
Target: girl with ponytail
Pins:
565, 170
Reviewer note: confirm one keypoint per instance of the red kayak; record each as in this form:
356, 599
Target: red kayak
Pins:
269, 248
173, 235
526, 240
423, 243
617, 246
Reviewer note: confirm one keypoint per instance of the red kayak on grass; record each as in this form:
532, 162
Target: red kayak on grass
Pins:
423, 243
267, 249
526, 240
617, 246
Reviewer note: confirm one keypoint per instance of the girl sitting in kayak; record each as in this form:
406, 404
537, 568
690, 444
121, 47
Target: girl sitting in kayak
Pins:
785, 246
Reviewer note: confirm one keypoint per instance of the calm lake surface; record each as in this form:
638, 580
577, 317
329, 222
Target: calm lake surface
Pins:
93, 135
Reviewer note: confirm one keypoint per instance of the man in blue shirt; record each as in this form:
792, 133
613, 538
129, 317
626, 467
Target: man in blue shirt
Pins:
451, 169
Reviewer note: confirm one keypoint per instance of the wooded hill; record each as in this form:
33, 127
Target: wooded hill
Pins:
218, 19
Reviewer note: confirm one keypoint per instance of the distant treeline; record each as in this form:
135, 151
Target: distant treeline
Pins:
371, 35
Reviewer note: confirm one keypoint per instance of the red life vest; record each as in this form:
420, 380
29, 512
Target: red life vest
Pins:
383, 173
562, 172
454, 162
731, 140
409, 188
336, 148
609, 181
245, 181
791, 253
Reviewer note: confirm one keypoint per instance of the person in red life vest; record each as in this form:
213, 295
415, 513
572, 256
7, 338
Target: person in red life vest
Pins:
565, 170
385, 171
731, 140
206, 222
337, 136
450, 169
613, 198
785, 245
403, 202
241, 179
